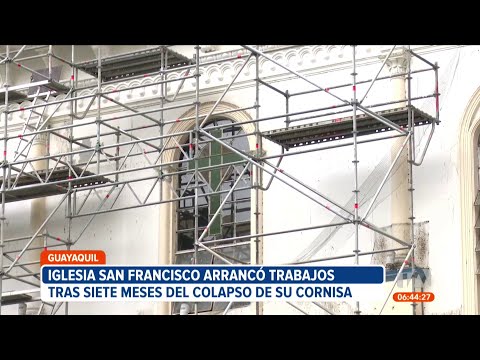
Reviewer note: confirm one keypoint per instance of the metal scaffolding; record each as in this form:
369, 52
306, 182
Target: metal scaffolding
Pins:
103, 164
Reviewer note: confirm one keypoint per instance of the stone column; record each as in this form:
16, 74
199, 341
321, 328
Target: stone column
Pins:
400, 197
400, 200
166, 232
38, 212
256, 221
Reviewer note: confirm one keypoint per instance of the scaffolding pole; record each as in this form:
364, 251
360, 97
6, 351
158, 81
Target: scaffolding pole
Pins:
4, 175
257, 242
194, 153
355, 165
410, 160
70, 160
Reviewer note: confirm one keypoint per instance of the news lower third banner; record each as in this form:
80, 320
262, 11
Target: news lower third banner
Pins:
78, 277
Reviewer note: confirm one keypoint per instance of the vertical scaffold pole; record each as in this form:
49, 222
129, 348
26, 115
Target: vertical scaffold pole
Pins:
4, 174
287, 108
70, 160
50, 52
355, 163
411, 149
117, 156
257, 184
99, 109
162, 97
196, 152
163, 57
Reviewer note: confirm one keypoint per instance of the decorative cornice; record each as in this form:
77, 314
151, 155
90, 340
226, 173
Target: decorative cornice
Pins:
309, 60
234, 53
208, 48
398, 61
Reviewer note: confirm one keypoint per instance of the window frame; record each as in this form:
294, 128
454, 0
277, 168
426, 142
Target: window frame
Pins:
234, 202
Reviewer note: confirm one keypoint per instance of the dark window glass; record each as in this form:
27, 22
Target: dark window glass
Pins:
219, 170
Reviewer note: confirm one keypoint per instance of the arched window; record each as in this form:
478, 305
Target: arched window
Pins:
477, 211
219, 169
468, 169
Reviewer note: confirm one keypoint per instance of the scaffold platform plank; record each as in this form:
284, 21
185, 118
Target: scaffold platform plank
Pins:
13, 96
24, 190
57, 87
137, 63
48, 81
341, 128
18, 297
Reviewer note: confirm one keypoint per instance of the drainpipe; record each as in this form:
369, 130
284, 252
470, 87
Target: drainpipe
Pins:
400, 205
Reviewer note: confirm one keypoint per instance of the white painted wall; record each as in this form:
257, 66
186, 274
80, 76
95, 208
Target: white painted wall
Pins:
131, 236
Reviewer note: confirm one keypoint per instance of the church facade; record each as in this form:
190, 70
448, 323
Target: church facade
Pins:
273, 160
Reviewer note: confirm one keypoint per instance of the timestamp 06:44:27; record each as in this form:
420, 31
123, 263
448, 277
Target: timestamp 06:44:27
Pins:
413, 296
